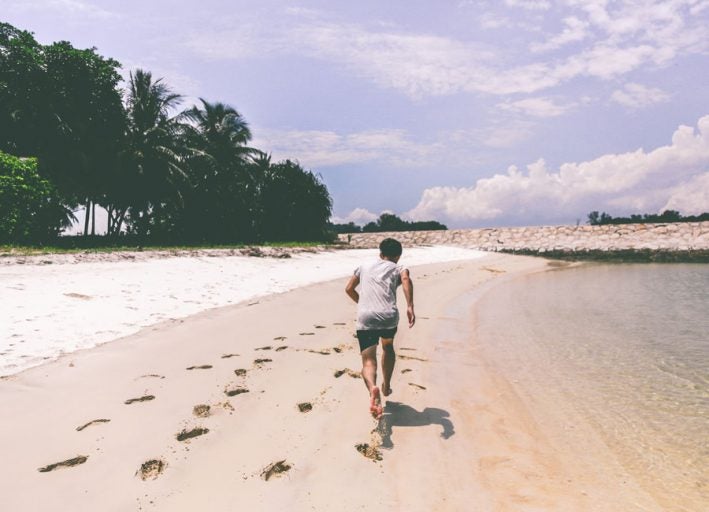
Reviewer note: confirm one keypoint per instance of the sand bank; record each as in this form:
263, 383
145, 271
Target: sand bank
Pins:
72, 304
285, 417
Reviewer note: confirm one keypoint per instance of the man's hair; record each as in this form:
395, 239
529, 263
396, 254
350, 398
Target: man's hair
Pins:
390, 248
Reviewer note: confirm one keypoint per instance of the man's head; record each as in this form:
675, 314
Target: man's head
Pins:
390, 249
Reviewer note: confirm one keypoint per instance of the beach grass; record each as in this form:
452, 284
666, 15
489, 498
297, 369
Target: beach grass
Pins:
35, 250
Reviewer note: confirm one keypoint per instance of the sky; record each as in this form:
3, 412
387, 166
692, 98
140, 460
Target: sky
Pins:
471, 112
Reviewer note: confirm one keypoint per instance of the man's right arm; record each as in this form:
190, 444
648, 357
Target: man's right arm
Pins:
350, 288
408, 285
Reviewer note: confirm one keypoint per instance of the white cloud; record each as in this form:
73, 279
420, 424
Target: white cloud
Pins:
65, 8
359, 216
533, 5
575, 30
536, 107
691, 197
670, 176
638, 96
612, 43
318, 148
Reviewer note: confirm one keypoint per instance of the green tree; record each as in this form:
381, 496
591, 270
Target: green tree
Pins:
22, 84
84, 124
31, 209
221, 204
295, 204
153, 162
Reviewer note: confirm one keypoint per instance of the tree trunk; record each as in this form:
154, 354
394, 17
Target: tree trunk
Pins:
109, 228
93, 219
86, 217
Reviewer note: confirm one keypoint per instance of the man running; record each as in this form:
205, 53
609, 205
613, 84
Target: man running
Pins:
378, 317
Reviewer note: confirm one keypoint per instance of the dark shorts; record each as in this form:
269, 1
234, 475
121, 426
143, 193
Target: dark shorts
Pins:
370, 338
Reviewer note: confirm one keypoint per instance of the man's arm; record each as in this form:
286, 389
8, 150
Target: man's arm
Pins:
408, 285
350, 288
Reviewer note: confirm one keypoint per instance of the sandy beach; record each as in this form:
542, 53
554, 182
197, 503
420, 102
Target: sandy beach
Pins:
259, 406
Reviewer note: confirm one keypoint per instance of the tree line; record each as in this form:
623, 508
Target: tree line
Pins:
388, 222
71, 135
599, 219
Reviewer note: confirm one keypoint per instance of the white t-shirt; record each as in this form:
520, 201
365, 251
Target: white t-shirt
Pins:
378, 282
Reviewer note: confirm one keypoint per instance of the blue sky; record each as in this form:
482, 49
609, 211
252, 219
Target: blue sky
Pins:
474, 113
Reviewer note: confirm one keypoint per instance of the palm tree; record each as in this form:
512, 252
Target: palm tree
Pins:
154, 159
224, 186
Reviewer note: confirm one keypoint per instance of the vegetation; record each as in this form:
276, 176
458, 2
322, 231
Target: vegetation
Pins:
388, 222
31, 209
596, 219
71, 137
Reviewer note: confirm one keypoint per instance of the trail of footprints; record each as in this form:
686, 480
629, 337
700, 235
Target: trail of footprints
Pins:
153, 468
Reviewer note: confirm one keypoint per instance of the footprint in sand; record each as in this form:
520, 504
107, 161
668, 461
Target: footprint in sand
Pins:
227, 356
267, 347
151, 376
275, 469
406, 370
324, 352
279, 338
201, 410
339, 323
369, 451
64, 464
189, 434
406, 348
307, 333
305, 407
200, 367
351, 373
240, 372
151, 469
145, 398
259, 362
94, 422
418, 386
319, 326
235, 391
411, 358
282, 347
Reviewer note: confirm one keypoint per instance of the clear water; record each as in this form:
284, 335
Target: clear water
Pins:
628, 346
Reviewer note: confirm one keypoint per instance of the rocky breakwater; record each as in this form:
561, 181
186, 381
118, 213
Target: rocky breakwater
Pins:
687, 241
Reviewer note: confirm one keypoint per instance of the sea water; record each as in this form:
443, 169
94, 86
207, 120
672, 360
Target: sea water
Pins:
628, 346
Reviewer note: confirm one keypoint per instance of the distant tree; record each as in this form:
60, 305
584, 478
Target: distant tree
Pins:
153, 162
31, 209
390, 222
84, 124
350, 227
596, 219
295, 204
23, 82
221, 202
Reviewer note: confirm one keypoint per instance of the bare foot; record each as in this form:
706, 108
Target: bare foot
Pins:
386, 389
375, 404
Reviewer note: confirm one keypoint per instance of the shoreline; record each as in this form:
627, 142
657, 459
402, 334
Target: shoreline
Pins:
450, 432
56, 309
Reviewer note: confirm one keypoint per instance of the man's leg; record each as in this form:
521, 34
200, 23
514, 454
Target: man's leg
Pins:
369, 375
388, 361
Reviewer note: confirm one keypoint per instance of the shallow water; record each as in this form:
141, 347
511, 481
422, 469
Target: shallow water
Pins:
628, 347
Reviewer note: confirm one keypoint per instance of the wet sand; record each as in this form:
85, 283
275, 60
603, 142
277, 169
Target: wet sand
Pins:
260, 406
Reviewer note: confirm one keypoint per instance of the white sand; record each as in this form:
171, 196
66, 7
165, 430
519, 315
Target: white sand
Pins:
455, 435
50, 310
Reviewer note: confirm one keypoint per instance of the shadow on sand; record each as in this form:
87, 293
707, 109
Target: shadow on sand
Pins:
397, 414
